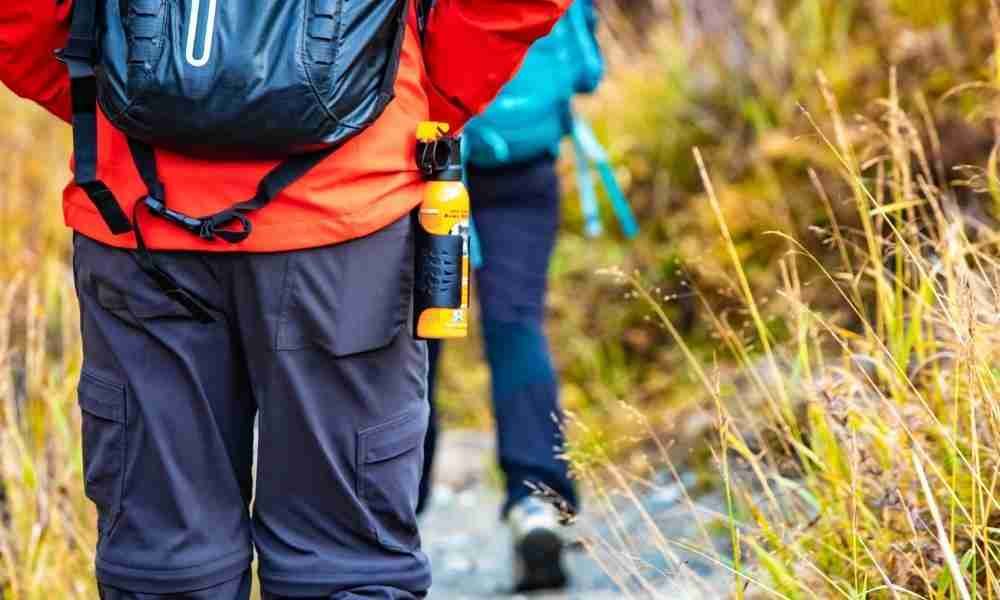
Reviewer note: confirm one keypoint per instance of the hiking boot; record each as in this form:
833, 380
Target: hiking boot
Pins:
538, 546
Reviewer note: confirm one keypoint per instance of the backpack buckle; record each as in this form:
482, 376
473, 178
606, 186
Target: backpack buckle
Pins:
159, 208
207, 228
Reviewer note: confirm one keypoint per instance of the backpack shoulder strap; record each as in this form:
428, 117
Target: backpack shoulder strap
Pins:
423, 15
80, 56
582, 23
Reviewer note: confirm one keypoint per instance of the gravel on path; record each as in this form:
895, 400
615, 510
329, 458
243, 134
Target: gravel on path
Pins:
470, 549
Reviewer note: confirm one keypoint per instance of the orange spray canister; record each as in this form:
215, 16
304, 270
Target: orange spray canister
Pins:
441, 290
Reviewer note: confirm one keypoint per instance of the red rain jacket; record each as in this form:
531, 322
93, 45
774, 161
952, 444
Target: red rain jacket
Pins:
472, 47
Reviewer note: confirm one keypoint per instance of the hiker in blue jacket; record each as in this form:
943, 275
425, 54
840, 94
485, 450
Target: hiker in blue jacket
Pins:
511, 174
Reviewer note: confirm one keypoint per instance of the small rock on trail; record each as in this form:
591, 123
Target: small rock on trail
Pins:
470, 549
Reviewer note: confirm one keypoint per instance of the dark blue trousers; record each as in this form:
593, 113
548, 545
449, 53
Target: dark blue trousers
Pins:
516, 213
315, 345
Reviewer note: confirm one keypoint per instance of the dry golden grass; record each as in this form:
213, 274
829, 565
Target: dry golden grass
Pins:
868, 442
846, 273
47, 533
849, 361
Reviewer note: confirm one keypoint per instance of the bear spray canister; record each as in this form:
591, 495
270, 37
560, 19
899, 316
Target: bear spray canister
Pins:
441, 289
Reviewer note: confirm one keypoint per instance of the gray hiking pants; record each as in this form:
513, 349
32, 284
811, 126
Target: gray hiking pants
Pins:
316, 344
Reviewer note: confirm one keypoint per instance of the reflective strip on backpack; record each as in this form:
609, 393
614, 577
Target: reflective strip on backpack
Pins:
192, 36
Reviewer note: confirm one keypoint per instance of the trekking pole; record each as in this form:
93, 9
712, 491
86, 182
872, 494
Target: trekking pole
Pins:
586, 143
589, 207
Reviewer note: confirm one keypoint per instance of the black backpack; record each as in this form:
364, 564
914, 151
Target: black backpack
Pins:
292, 79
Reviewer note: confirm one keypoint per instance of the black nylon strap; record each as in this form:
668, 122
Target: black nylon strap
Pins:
282, 176
145, 162
164, 280
80, 55
423, 16
84, 24
218, 225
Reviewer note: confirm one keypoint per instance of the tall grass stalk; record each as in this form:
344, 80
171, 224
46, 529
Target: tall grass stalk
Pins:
891, 486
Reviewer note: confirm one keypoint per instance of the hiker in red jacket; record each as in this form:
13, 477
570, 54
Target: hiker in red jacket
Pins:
244, 177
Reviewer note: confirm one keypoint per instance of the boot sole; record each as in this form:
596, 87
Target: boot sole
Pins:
541, 553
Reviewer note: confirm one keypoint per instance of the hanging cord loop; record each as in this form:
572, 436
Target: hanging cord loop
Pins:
207, 228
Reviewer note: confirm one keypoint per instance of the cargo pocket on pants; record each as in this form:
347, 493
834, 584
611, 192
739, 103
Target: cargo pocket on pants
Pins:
102, 405
390, 462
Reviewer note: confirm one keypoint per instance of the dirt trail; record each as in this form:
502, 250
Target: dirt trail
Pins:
470, 549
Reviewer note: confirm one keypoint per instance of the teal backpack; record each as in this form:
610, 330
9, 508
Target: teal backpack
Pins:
534, 112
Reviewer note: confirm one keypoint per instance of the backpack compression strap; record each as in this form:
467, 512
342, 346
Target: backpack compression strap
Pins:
215, 226
80, 56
